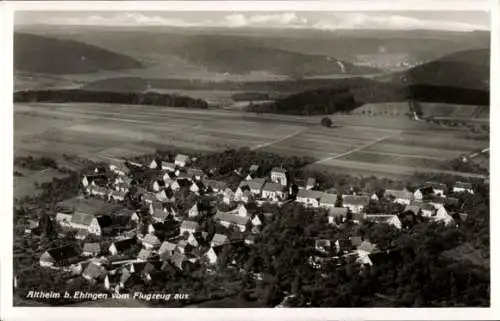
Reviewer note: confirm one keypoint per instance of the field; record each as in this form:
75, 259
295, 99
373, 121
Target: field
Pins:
89, 205
24, 185
357, 144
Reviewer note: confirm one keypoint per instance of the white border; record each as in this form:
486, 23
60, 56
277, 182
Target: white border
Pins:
8, 313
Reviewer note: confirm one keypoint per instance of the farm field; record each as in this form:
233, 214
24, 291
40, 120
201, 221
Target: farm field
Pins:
361, 144
25, 185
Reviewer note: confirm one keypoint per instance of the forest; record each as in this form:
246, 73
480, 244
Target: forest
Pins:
86, 96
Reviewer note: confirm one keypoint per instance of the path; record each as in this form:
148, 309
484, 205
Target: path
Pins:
357, 148
279, 140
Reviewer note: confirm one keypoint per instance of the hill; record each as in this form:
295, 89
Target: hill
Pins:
40, 54
468, 69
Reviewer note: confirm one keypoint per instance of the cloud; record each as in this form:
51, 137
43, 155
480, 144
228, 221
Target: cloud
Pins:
331, 21
398, 22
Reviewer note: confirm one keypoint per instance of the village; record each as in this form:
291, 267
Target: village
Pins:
130, 229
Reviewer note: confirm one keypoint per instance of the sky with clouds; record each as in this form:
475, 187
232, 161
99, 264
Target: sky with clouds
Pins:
399, 20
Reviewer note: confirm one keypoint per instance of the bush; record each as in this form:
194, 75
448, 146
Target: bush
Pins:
326, 122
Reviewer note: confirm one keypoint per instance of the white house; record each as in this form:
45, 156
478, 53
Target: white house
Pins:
427, 210
337, 213
310, 183
327, 200
150, 241
181, 160
228, 196
256, 221
229, 219
255, 185
403, 197
218, 240
194, 210
443, 216
211, 256
153, 164
241, 210
86, 222
462, 187
439, 189
175, 186
309, 197
273, 191
355, 203
188, 226
167, 166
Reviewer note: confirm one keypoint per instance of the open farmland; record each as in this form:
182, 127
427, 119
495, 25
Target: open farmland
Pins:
25, 185
358, 144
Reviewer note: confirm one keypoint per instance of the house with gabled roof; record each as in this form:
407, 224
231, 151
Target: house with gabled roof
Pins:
256, 221
81, 234
437, 202
150, 241
160, 215
337, 213
188, 226
117, 195
253, 168
153, 164
463, 187
197, 187
427, 210
390, 219
415, 209
214, 185
366, 248
167, 166
91, 249
229, 219
310, 183
328, 200
218, 240
213, 254
439, 189
144, 254
166, 250
255, 186
61, 256
309, 197
94, 272
64, 219
228, 196
403, 197
443, 216
355, 203
195, 173
86, 221
182, 160
273, 191
122, 246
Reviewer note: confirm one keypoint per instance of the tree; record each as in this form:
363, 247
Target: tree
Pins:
326, 122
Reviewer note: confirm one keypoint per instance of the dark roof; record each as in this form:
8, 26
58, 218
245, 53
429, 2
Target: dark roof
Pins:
92, 247
125, 244
231, 218
463, 185
94, 271
436, 185
415, 209
355, 200
63, 253
256, 183
337, 211
160, 214
401, 194
273, 187
104, 220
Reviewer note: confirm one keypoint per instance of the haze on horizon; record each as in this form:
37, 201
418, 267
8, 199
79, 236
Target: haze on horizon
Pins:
378, 20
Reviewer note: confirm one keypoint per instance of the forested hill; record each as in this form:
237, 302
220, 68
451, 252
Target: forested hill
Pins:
132, 98
40, 54
468, 69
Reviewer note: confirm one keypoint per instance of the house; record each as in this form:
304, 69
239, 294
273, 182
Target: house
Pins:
366, 248
218, 240
94, 272
273, 191
229, 219
197, 187
310, 183
355, 203
439, 189
213, 254
415, 209
423, 193
153, 164
157, 185
255, 186
309, 197
181, 160
250, 239
279, 176
122, 246
167, 166
374, 197
437, 202
195, 210
188, 226
443, 216
150, 241
85, 181
166, 250
253, 168
193, 240
119, 168
97, 190
256, 221
61, 256
86, 221
403, 197
159, 215
241, 210
228, 196
182, 246
462, 187
322, 245
390, 219
215, 186
31, 226
175, 186
64, 219
337, 213
195, 173
328, 200
91, 249
117, 195
427, 210
144, 254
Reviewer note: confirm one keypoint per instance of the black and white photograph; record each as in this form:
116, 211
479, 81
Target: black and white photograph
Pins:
251, 159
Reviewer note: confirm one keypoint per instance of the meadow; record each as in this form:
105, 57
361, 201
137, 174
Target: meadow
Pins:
358, 144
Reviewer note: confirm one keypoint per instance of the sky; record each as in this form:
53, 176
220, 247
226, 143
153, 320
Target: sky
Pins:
391, 20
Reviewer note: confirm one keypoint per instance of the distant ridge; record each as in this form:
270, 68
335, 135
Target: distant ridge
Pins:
40, 54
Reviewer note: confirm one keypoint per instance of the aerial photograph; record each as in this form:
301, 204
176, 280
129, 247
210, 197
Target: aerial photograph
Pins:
244, 159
